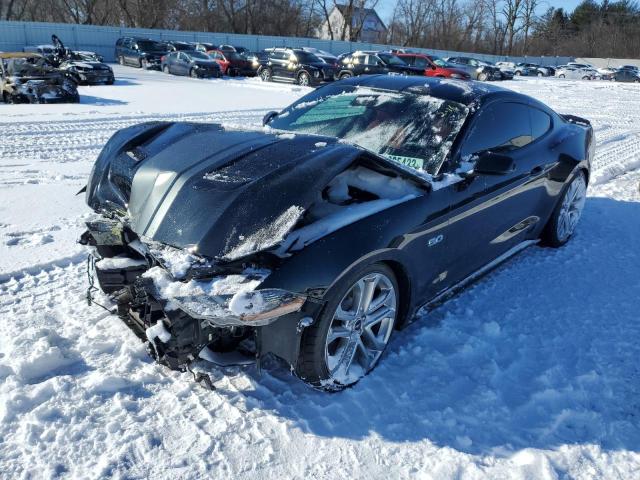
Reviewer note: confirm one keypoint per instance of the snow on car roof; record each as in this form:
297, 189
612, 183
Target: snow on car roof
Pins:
460, 91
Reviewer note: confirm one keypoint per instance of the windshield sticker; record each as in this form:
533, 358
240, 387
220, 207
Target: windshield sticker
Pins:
336, 107
413, 162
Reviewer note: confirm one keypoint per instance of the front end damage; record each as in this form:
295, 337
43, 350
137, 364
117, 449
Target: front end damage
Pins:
184, 305
200, 227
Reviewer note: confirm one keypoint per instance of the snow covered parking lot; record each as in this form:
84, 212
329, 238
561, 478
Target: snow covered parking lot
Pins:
531, 373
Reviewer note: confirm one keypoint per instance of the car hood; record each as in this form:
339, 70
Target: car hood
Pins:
87, 65
186, 184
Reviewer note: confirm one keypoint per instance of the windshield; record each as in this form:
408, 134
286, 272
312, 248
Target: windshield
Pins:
306, 57
439, 62
27, 67
150, 45
414, 130
391, 59
233, 56
198, 55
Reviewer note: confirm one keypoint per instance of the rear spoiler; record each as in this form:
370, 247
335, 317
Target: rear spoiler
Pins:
576, 120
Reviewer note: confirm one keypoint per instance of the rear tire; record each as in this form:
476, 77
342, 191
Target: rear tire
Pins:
344, 76
561, 75
348, 338
483, 77
193, 73
567, 212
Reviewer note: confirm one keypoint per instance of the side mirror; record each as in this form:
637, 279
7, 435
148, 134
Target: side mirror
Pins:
269, 116
490, 163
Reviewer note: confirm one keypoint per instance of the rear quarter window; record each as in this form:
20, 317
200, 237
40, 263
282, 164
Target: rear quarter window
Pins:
540, 123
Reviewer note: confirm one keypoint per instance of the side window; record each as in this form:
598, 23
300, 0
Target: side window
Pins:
501, 126
182, 57
540, 123
371, 60
420, 62
361, 59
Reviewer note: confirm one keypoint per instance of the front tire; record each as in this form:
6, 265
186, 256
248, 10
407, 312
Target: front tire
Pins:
350, 335
165, 69
344, 76
193, 73
265, 75
304, 79
567, 213
483, 77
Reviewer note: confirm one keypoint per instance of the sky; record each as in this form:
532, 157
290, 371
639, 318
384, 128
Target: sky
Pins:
385, 7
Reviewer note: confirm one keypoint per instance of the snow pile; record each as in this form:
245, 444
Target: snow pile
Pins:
120, 262
159, 331
206, 298
368, 180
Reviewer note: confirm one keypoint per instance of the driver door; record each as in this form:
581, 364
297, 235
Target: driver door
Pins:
493, 213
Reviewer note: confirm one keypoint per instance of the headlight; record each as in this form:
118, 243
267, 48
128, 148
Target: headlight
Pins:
252, 308
456, 75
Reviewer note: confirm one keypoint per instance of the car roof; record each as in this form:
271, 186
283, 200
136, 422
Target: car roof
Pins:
460, 91
20, 55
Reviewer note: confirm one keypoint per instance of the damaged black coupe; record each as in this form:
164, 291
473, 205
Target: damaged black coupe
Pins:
316, 237
30, 78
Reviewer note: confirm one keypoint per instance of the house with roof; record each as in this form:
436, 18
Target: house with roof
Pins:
365, 25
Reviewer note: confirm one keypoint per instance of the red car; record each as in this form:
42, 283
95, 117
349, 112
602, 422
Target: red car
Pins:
433, 66
232, 63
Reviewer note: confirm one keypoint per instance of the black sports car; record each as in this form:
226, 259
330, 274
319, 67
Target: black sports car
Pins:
314, 238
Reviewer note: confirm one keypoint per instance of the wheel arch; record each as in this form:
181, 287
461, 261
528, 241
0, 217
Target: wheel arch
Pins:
404, 284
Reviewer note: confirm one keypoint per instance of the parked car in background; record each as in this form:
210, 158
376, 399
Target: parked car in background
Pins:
233, 48
575, 73
372, 63
629, 67
140, 52
606, 73
181, 46
27, 77
506, 67
205, 47
433, 66
232, 63
47, 51
477, 69
84, 66
190, 63
327, 57
295, 65
626, 75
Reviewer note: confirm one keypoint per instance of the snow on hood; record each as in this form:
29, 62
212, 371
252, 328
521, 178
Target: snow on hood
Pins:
227, 194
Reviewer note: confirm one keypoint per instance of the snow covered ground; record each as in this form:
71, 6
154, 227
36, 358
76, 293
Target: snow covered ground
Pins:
531, 373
